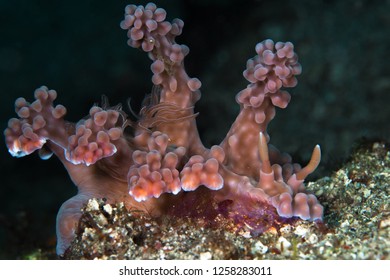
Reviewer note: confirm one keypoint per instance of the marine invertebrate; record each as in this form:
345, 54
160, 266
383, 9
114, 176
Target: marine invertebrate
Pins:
153, 163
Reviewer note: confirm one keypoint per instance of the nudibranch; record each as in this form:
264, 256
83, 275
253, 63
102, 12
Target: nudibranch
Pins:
159, 160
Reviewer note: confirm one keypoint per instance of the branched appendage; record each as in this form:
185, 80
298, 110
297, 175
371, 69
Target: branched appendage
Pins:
164, 168
38, 122
149, 31
285, 189
94, 151
94, 136
155, 171
275, 66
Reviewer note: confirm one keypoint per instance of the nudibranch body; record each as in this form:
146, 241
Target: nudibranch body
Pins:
159, 160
